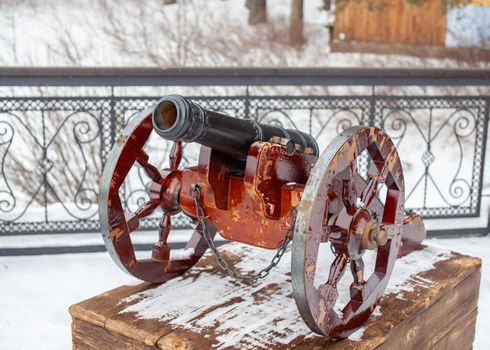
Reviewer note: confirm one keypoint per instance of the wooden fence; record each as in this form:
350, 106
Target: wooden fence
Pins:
391, 21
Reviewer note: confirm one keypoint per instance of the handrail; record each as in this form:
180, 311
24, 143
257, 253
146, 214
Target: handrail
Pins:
235, 76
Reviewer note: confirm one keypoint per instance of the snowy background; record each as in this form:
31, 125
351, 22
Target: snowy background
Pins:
189, 33
37, 291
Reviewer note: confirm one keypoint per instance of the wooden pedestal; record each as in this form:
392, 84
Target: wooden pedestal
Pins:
433, 307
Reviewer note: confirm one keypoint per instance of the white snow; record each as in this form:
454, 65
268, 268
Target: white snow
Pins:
234, 324
64, 240
357, 335
181, 254
36, 292
189, 33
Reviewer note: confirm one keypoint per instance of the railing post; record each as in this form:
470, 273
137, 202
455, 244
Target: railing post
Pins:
372, 106
247, 104
484, 160
112, 119
43, 167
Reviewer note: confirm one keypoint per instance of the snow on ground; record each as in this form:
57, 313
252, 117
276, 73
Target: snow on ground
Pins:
189, 33
36, 292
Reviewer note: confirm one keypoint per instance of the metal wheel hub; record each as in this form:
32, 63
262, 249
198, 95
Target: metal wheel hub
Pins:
169, 192
364, 233
359, 220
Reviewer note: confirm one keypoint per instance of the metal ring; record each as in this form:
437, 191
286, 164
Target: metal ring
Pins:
286, 134
300, 134
195, 191
258, 128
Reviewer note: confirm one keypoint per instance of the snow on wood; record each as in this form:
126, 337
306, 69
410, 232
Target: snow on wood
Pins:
181, 254
259, 313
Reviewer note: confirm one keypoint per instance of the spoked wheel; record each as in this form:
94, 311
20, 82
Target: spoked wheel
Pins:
341, 208
118, 225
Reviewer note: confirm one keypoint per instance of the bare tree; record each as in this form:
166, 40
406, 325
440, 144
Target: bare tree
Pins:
327, 4
257, 11
296, 30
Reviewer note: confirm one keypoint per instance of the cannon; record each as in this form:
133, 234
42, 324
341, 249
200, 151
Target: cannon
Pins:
266, 186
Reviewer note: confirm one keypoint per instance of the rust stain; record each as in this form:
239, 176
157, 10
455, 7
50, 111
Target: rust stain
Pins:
116, 233
121, 140
322, 315
310, 268
235, 215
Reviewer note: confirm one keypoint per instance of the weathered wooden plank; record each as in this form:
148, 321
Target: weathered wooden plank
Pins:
206, 309
97, 309
88, 336
425, 329
460, 336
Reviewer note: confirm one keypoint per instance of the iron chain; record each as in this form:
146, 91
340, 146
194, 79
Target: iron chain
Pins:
195, 192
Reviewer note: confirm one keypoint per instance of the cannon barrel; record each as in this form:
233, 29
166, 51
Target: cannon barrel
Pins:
177, 118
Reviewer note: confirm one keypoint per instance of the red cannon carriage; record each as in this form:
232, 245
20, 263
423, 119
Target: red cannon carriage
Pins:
267, 186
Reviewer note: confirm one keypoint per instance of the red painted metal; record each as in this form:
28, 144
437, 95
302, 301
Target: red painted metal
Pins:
359, 218
250, 202
163, 191
272, 183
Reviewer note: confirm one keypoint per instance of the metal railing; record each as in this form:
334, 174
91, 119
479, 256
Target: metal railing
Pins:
241, 77
52, 149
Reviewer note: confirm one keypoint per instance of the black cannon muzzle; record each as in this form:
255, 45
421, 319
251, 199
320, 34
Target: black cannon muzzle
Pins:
176, 118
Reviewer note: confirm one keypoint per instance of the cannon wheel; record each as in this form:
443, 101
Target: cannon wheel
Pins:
341, 207
117, 225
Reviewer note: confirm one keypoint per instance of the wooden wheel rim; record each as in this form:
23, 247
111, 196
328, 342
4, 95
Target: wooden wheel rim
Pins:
114, 226
318, 313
